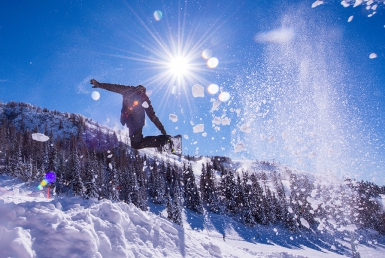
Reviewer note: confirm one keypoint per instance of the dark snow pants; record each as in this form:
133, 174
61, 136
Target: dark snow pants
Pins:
140, 142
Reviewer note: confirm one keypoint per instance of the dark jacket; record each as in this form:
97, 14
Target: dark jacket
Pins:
135, 104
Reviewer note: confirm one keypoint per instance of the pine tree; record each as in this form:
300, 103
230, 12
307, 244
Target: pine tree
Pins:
247, 215
176, 209
209, 189
256, 201
229, 191
159, 186
76, 183
191, 193
91, 189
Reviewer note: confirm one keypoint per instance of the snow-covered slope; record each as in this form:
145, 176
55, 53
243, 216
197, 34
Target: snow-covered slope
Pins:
33, 226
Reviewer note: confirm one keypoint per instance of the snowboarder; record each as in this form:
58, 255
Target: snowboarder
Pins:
135, 104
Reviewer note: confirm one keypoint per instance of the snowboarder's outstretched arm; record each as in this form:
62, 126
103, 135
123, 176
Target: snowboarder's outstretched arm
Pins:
151, 114
110, 87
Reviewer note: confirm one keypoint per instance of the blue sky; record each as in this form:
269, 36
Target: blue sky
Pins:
303, 89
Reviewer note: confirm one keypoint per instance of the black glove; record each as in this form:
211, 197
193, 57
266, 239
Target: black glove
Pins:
95, 83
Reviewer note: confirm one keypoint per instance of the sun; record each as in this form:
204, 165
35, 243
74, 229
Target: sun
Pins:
179, 66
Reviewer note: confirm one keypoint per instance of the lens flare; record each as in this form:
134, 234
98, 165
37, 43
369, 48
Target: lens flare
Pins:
95, 95
49, 178
213, 89
212, 62
207, 54
158, 15
224, 96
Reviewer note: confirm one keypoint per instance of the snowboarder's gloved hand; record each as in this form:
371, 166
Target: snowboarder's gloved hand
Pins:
95, 83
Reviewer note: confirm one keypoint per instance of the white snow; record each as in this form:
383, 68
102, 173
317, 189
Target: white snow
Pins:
145, 104
173, 117
350, 18
316, 3
373, 55
278, 36
239, 147
199, 128
245, 128
33, 226
345, 4
40, 137
198, 91
304, 223
357, 3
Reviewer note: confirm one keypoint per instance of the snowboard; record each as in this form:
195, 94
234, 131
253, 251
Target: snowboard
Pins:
174, 146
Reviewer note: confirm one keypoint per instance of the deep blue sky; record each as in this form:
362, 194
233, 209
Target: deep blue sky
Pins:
303, 90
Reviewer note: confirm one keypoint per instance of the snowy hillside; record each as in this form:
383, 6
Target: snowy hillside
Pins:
34, 226
108, 200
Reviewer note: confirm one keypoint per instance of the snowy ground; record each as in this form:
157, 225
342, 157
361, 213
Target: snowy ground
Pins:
33, 226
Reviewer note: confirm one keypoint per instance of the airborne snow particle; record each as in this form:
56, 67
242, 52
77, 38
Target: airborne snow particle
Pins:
271, 139
204, 134
245, 128
345, 4
40, 137
305, 223
357, 3
226, 121
215, 105
350, 18
145, 104
217, 120
239, 147
173, 117
185, 136
316, 3
284, 135
198, 91
277, 36
373, 55
110, 156
110, 165
199, 128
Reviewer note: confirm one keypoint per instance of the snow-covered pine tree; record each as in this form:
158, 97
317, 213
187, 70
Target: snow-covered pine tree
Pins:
257, 201
76, 183
209, 189
192, 198
113, 182
247, 216
176, 208
159, 190
91, 189
229, 191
